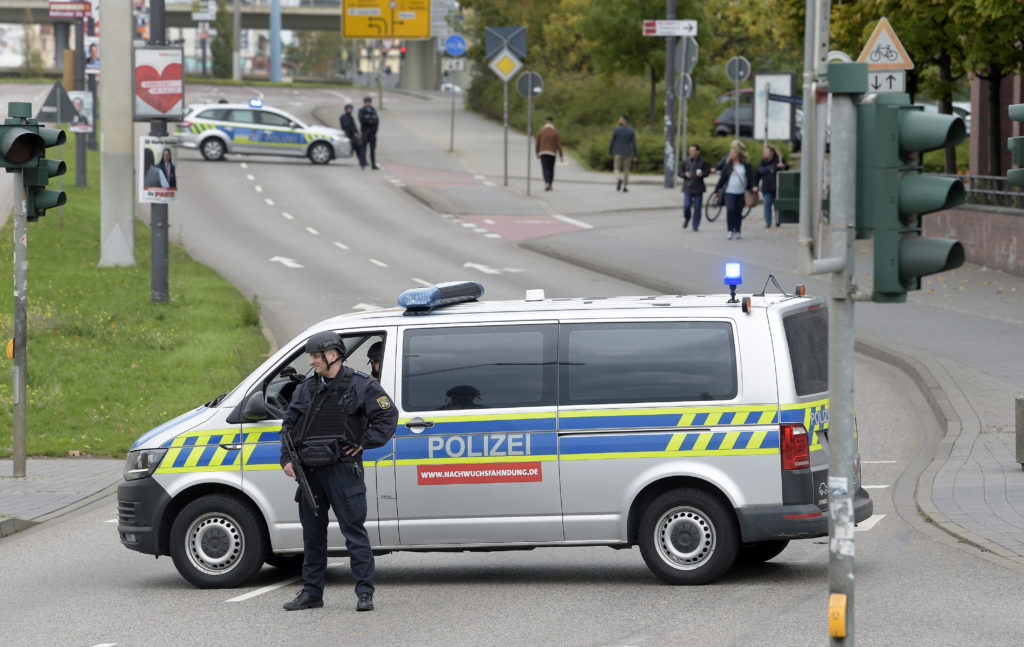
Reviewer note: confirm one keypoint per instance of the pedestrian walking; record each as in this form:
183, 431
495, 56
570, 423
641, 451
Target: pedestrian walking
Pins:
622, 150
348, 125
368, 123
332, 417
767, 172
737, 178
693, 170
549, 142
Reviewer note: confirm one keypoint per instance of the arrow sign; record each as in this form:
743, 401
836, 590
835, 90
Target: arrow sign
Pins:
880, 82
290, 263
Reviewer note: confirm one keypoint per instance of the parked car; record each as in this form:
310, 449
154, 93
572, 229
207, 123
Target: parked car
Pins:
725, 124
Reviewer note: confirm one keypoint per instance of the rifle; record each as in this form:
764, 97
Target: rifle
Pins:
300, 474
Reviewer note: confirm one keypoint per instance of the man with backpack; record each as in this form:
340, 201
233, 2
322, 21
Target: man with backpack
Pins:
368, 122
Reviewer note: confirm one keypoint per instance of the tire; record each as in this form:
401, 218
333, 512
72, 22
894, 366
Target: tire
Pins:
217, 542
714, 208
688, 536
320, 153
213, 149
760, 552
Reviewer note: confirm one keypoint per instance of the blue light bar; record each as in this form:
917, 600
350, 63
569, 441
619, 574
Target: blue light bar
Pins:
423, 300
733, 275
255, 103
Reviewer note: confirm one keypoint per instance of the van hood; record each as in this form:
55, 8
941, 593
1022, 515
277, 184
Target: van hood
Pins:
157, 436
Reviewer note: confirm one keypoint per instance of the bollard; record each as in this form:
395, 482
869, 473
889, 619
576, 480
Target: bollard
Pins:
1020, 429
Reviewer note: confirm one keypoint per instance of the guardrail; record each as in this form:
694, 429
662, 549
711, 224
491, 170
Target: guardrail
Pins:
991, 191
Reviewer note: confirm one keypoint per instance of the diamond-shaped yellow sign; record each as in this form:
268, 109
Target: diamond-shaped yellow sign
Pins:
505, 64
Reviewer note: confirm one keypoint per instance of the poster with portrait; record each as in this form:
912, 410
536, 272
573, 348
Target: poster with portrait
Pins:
81, 120
158, 83
158, 169
92, 54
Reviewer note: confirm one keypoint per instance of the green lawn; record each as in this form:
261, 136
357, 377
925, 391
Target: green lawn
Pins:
105, 364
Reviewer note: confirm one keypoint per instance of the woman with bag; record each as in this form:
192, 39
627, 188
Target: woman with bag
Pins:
767, 171
737, 185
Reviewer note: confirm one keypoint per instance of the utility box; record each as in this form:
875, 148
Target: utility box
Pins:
787, 196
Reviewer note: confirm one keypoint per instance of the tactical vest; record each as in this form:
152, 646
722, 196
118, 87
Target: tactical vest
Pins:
326, 417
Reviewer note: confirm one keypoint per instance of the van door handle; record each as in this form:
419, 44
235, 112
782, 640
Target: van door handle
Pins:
231, 446
417, 425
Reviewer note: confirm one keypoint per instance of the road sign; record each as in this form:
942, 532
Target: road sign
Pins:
455, 45
670, 28
402, 19
884, 51
530, 84
70, 9
505, 64
685, 88
204, 10
887, 81
499, 38
737, 69
686, 54
449, 64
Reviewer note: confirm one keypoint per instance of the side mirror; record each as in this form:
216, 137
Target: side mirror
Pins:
255, 407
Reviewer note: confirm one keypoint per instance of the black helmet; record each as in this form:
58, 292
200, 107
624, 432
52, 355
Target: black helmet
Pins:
376, 352
367, 99
324, 341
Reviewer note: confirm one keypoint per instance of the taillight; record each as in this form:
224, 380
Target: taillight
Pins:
794, 447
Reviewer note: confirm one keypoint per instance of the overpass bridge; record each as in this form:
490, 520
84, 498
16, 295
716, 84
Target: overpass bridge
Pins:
316, 15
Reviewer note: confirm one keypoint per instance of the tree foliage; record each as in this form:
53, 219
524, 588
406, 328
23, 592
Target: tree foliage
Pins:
222, 47
315, 51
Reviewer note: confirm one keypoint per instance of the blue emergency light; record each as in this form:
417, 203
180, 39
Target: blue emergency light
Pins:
733, 277
255, 103
419, 301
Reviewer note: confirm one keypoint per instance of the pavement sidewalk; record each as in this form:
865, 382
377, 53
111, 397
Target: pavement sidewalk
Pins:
958, 337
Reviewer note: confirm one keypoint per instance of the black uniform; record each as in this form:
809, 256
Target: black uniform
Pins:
348, 125
363, 414
369, 120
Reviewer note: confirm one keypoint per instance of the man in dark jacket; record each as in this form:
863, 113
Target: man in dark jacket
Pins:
693, 170
622, 150
369, 120
348, 124
339, 412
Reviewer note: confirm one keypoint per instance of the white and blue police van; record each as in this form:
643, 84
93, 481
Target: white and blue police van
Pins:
217, 129
694, 427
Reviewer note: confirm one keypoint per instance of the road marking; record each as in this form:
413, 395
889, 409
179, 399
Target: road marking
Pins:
244, 165
287, 215
290, 263
479, 177
110, 521
480, 230
489, 221
487, 269
250, 177
313, 231
269, 202
274, 587
878, 462
421, 282
875, 487
104, 645
492, 235
378, 263
870, 522
447, 215
340, 245
258, 189
468, 224
489, 183
572, 221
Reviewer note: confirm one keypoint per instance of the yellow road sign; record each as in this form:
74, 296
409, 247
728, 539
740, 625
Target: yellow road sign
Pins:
405, 19
884, 51
505, 64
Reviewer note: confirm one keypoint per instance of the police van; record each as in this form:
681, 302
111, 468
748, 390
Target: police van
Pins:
694, 427
216, 129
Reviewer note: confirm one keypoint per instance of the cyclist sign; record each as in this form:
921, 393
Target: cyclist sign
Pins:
884, 51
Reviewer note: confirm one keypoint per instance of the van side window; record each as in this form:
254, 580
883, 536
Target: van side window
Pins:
646, 362
807, 337
478, 367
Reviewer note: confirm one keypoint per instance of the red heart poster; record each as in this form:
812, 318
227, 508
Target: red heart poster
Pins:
159, 86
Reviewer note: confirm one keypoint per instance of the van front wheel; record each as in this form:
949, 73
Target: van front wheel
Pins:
688, 536
216, 542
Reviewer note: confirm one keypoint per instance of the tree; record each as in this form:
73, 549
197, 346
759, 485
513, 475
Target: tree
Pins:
314, 51
32, 61
222, 49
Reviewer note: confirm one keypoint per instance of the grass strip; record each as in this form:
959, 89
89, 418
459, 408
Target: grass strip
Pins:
104, 363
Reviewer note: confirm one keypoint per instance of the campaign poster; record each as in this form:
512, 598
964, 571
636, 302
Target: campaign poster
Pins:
82, 120
92, 54
159, 83
158, 169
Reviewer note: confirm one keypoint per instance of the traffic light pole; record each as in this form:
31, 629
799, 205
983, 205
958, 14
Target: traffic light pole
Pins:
20, 374
159, 260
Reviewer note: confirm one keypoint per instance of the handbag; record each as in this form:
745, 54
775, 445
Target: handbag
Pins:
749, 197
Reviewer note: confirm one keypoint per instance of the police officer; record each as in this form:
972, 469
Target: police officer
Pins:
369, 121
346, 411
348, 124
374, 356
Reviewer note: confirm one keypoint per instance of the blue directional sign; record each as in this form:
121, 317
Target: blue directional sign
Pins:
455, 45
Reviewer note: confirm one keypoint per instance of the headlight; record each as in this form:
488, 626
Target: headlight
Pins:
142, 463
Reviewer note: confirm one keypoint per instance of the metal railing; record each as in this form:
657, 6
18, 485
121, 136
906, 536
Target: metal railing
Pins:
991, 191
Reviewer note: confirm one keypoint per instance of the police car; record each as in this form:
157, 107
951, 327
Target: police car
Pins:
694, 427
217, 129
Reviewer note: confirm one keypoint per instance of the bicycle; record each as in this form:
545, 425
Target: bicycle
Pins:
716, 205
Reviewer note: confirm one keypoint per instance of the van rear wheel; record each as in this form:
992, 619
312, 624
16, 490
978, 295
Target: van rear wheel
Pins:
217, 542
688, 536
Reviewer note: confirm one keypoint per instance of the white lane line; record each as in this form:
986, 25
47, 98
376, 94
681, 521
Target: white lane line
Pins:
269, 202
285, 214
421, 282
870, 522
290, 263
492, 235
340, 245
480, 230
572, 221
313, 231
468, 224
479, 177
110, 521
250, 177
274, 587
378, 263
488, 221
878, 462
489, 183
258, 189
447, 215
244, 165
104, 645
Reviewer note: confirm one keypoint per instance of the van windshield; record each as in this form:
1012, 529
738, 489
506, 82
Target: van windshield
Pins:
807, 337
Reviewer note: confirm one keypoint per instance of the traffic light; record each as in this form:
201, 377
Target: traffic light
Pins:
893, 193
37, 197
19, 145
1015, 176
